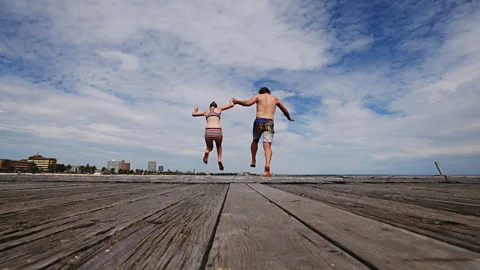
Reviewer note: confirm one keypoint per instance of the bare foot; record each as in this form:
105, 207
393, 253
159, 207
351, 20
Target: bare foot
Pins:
205, 158
267, 171
220, 166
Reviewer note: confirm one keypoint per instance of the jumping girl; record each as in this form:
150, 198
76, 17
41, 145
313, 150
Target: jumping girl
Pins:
213, 130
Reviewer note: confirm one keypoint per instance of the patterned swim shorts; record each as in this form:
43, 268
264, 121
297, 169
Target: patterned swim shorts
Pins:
214, 134
265, 127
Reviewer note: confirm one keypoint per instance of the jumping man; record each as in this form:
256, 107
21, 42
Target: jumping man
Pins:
264, 123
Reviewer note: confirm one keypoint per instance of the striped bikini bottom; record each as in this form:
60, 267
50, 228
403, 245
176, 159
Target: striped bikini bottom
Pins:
214, 134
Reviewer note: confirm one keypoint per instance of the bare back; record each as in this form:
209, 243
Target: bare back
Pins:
266, 105
213, 121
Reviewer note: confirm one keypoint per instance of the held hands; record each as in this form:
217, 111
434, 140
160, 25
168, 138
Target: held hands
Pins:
234, 100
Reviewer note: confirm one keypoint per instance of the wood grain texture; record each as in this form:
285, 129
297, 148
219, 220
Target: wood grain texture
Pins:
459, 198
15, 220
176, 237
384, 246
453, 228
255, 234
410, 179
66, 196
48, 246
210, 179
67, 220
25, 194
133, 222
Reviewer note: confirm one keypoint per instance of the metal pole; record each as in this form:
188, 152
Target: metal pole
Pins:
441, 171
438, 168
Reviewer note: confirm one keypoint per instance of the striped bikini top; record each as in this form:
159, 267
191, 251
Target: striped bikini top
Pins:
212, 113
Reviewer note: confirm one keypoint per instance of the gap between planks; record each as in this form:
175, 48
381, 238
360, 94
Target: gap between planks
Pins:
255, 234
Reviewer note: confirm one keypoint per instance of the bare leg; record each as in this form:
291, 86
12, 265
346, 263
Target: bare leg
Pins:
254, 148
219, 153
209, 149
267, 146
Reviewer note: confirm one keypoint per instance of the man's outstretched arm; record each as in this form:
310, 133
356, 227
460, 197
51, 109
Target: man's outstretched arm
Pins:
246, 103
284, 110
226, 107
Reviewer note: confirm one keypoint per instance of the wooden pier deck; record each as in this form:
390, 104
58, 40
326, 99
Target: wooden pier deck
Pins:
194, 222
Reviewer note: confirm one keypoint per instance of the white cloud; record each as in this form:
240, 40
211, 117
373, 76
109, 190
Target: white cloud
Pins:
252, 34
132, 73
129, 61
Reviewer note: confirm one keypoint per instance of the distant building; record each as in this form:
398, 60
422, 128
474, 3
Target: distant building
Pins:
75, 169
160, 169
152, 166
43, 163
114, 164
125, 166
18, 165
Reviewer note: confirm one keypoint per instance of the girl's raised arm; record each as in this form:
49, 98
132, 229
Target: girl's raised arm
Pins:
196, 113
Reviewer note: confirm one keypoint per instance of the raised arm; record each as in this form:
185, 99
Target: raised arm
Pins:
196, 113
226, 107
284, 110
246, 103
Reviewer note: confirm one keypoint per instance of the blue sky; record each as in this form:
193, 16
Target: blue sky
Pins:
373, 86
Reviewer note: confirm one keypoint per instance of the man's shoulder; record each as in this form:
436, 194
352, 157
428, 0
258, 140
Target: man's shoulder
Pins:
275, 98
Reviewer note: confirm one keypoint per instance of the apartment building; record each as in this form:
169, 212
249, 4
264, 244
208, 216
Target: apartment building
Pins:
125, 166
43, 163
18, 165
152, 166
114, 164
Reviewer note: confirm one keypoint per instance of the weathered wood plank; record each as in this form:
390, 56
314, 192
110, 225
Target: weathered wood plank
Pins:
255, 234
384, 246
459, 198
450, 227
174, 238
22, 220
35, 185
409, 179
209, 179
174, 179
56, 200
453, 190
68, 220
28, 194
89, 231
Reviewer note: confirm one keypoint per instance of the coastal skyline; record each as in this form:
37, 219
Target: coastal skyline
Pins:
381, 87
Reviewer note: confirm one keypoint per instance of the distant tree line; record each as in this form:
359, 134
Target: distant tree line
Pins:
8, 167
146, 172
129, 172
62, 168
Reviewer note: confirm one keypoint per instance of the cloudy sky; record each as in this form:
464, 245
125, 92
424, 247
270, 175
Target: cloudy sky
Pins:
373, 86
